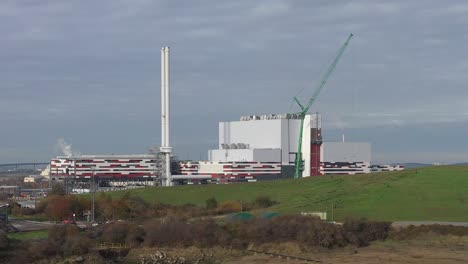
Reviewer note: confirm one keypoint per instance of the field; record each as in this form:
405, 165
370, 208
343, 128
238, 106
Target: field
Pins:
437, 193
29, 235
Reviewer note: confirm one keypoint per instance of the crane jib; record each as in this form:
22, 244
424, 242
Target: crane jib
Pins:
305, 109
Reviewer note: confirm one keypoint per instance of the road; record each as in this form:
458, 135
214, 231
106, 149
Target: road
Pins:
26, 225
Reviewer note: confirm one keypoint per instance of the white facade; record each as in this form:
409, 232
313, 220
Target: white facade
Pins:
258, 155
268, 138
345, 158
105, 166
225, 172
345, 152
387, 167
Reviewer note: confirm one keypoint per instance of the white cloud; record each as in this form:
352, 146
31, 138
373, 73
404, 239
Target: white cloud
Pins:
269, 9
85, 61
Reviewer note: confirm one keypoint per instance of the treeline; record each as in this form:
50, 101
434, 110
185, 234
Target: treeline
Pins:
58, 207
67, 240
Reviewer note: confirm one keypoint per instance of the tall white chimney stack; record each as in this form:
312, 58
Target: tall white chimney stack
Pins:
165, 147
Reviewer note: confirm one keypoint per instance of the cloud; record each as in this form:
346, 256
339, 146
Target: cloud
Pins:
268, 9
67, 66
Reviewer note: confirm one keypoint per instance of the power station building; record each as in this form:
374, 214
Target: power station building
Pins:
270, 139
265, 147
115, 167
254, 148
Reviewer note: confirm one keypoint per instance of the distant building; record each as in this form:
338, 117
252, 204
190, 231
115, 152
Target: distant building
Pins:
345, 158
392, 167
32, 178
111, 167
260, 148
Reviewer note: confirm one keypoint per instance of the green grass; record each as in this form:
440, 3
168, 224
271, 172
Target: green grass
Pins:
438, 193
23, 236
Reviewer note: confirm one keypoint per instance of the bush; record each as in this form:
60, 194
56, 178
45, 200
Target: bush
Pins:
36, 250
65, 240
58, 207
203, 233
57, 189
121, 232
3, 240
211, 203
115, 232
135, 236
361, 231
264, 202
230, 207
412, 232
308, 230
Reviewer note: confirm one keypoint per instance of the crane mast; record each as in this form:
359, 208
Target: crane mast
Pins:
305, 109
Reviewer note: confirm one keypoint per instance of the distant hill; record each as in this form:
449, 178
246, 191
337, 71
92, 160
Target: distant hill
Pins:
437, 193
415, 165
420, 165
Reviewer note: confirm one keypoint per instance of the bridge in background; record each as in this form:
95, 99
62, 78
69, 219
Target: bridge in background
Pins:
20, 165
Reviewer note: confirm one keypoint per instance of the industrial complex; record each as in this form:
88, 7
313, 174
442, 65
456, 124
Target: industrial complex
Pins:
254, 148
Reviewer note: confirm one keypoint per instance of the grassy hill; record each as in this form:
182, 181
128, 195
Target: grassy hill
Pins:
430, 193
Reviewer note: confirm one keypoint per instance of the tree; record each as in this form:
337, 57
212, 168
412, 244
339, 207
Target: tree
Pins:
57, 189
59, 207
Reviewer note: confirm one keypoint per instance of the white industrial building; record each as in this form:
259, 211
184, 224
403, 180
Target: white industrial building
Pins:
266, 138
261, 147
265, 147
345, 157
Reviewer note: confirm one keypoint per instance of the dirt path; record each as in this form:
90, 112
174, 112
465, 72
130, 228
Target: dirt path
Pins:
374, 254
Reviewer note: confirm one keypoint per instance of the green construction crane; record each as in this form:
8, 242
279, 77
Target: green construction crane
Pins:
305, 109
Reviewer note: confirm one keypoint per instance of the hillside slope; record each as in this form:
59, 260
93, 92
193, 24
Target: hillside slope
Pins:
438, 193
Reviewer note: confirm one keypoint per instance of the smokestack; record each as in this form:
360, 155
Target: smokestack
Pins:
165, 148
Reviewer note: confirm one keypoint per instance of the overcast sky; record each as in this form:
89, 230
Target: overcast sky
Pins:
89, 72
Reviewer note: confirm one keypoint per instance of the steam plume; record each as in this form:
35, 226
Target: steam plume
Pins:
63, 146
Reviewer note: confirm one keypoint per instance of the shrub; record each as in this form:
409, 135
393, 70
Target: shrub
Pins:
76, 245
57, 189
135, 236
211, 203
412, 232
36, 250
361, 231
121, 232
59, 234
308, 230
3, 240
58, 207
203, 233
230, 207
65, 240
115, 232
264, 201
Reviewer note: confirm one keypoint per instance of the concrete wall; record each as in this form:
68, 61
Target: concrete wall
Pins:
248, 155
256, 133
346, 152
